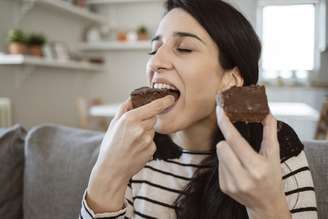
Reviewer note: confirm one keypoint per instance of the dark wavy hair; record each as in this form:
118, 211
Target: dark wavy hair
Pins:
239, 46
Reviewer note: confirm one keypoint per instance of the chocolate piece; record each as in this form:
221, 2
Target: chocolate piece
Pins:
144, 95
245, 104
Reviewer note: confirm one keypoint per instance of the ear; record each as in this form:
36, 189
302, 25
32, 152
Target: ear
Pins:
231, 78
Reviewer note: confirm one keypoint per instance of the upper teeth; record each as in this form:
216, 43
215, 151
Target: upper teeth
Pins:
163, 86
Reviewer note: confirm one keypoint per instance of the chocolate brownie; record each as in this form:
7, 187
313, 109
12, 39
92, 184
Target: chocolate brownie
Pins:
246, 104
144, 95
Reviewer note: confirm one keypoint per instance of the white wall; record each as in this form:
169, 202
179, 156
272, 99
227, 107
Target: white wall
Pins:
48, 95
247, 7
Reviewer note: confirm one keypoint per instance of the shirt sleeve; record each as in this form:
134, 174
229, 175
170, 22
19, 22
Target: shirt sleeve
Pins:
299, 188
126, 212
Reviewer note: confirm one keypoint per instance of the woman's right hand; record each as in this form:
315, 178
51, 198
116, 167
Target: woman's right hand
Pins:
126, 147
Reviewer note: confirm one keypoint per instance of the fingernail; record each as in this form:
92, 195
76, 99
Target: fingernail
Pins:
219, 109
218, 103
218, 100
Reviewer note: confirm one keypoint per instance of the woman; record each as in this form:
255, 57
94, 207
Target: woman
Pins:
184, 158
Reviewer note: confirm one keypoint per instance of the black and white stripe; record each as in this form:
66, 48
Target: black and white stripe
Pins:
151, 192
299, 170
168, 173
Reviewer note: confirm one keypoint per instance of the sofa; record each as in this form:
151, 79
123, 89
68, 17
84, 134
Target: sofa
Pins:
45, 170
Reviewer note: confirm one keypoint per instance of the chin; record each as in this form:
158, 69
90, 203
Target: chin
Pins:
165, 128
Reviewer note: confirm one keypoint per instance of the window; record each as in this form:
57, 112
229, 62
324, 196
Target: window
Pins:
289, 38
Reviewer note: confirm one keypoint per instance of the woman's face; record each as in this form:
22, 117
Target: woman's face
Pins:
186, 57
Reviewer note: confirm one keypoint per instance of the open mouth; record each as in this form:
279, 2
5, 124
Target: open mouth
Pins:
168, 89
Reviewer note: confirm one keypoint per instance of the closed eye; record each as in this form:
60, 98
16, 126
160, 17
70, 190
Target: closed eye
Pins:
152, 53
178, 49
184, 50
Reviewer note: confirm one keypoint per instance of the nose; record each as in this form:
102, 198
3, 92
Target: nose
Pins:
161, 60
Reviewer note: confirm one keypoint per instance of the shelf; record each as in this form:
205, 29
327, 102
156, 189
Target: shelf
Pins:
42, 62
93, 2
70, 9
115, 46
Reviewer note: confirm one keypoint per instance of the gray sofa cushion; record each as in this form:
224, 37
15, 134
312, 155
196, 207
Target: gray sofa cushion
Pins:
11, 174
317, 155
58, 164
59, 161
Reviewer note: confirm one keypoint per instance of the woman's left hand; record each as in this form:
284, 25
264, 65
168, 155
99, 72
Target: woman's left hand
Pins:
253, 179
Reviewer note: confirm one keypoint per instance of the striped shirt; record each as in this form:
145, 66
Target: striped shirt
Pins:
154, 189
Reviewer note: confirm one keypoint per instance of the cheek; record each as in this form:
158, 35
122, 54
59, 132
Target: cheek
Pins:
190, 110
149, 73
201, 77
200, 84
200, 94
201, 89
200, 104
197, 104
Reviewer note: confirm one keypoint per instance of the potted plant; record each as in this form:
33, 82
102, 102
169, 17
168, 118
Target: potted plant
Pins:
142, 33
35, 44
16, 42
121, 36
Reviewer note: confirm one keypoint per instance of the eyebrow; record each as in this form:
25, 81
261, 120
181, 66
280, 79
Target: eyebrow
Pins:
180, 34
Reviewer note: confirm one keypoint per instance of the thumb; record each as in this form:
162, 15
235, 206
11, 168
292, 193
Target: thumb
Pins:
270, 144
